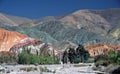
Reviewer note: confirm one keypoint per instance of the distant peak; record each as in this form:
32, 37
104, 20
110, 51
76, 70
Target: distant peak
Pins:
4, 19
12, 20
0, 13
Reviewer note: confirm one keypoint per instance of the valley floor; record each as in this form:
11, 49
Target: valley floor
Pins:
48, 69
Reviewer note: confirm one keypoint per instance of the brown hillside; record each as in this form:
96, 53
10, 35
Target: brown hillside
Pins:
9, 38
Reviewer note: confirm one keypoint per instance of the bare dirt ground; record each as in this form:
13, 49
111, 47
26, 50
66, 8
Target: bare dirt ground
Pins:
48, 69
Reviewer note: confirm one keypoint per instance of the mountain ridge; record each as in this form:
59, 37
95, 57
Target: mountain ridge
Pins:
96, 25
13, 20
97, 30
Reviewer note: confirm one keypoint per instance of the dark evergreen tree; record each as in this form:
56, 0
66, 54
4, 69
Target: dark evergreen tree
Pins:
81, 54
71, 55
65, 57
76, 56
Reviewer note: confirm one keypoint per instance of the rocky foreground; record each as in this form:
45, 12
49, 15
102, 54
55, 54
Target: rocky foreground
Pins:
48, 69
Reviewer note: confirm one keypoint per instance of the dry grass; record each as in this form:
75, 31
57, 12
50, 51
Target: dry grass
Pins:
28, 69
45, 69
79, 65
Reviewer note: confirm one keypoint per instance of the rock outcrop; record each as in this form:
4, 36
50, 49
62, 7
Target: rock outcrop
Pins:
9, 38
32, 44
101, 48
35, 46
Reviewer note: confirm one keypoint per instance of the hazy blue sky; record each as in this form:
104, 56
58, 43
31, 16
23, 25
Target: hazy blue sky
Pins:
41, 8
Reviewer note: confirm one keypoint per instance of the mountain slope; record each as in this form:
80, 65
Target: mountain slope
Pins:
86, 19
80, 27
31, 32
84, 25
13, 20
115, 32
61, 32
111, 15
9, 38
97, 21
34, 33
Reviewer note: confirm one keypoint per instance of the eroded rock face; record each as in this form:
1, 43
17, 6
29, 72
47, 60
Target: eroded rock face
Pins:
27, 43
101, 48
35, 46
9, 38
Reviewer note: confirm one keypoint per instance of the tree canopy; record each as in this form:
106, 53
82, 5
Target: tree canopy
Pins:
76, 55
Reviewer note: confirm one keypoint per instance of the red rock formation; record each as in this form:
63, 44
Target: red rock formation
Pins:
101, 48
9, 38
25, 42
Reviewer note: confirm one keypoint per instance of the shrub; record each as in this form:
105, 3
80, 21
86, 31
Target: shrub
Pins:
8, 57
44, 69
28, 69
118, 60
90, 60
25, 58
102, 63
112, 57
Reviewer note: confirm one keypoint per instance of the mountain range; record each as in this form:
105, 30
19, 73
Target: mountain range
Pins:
80, 27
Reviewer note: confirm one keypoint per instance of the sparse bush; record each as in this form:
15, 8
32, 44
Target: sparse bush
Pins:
111, 58
8, 57
90, 60
112, 55
28, 69
44, 69
118, 60
102, 63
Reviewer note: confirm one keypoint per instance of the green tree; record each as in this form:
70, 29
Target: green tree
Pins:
76, 56
81, 54
65, 57
71, 55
